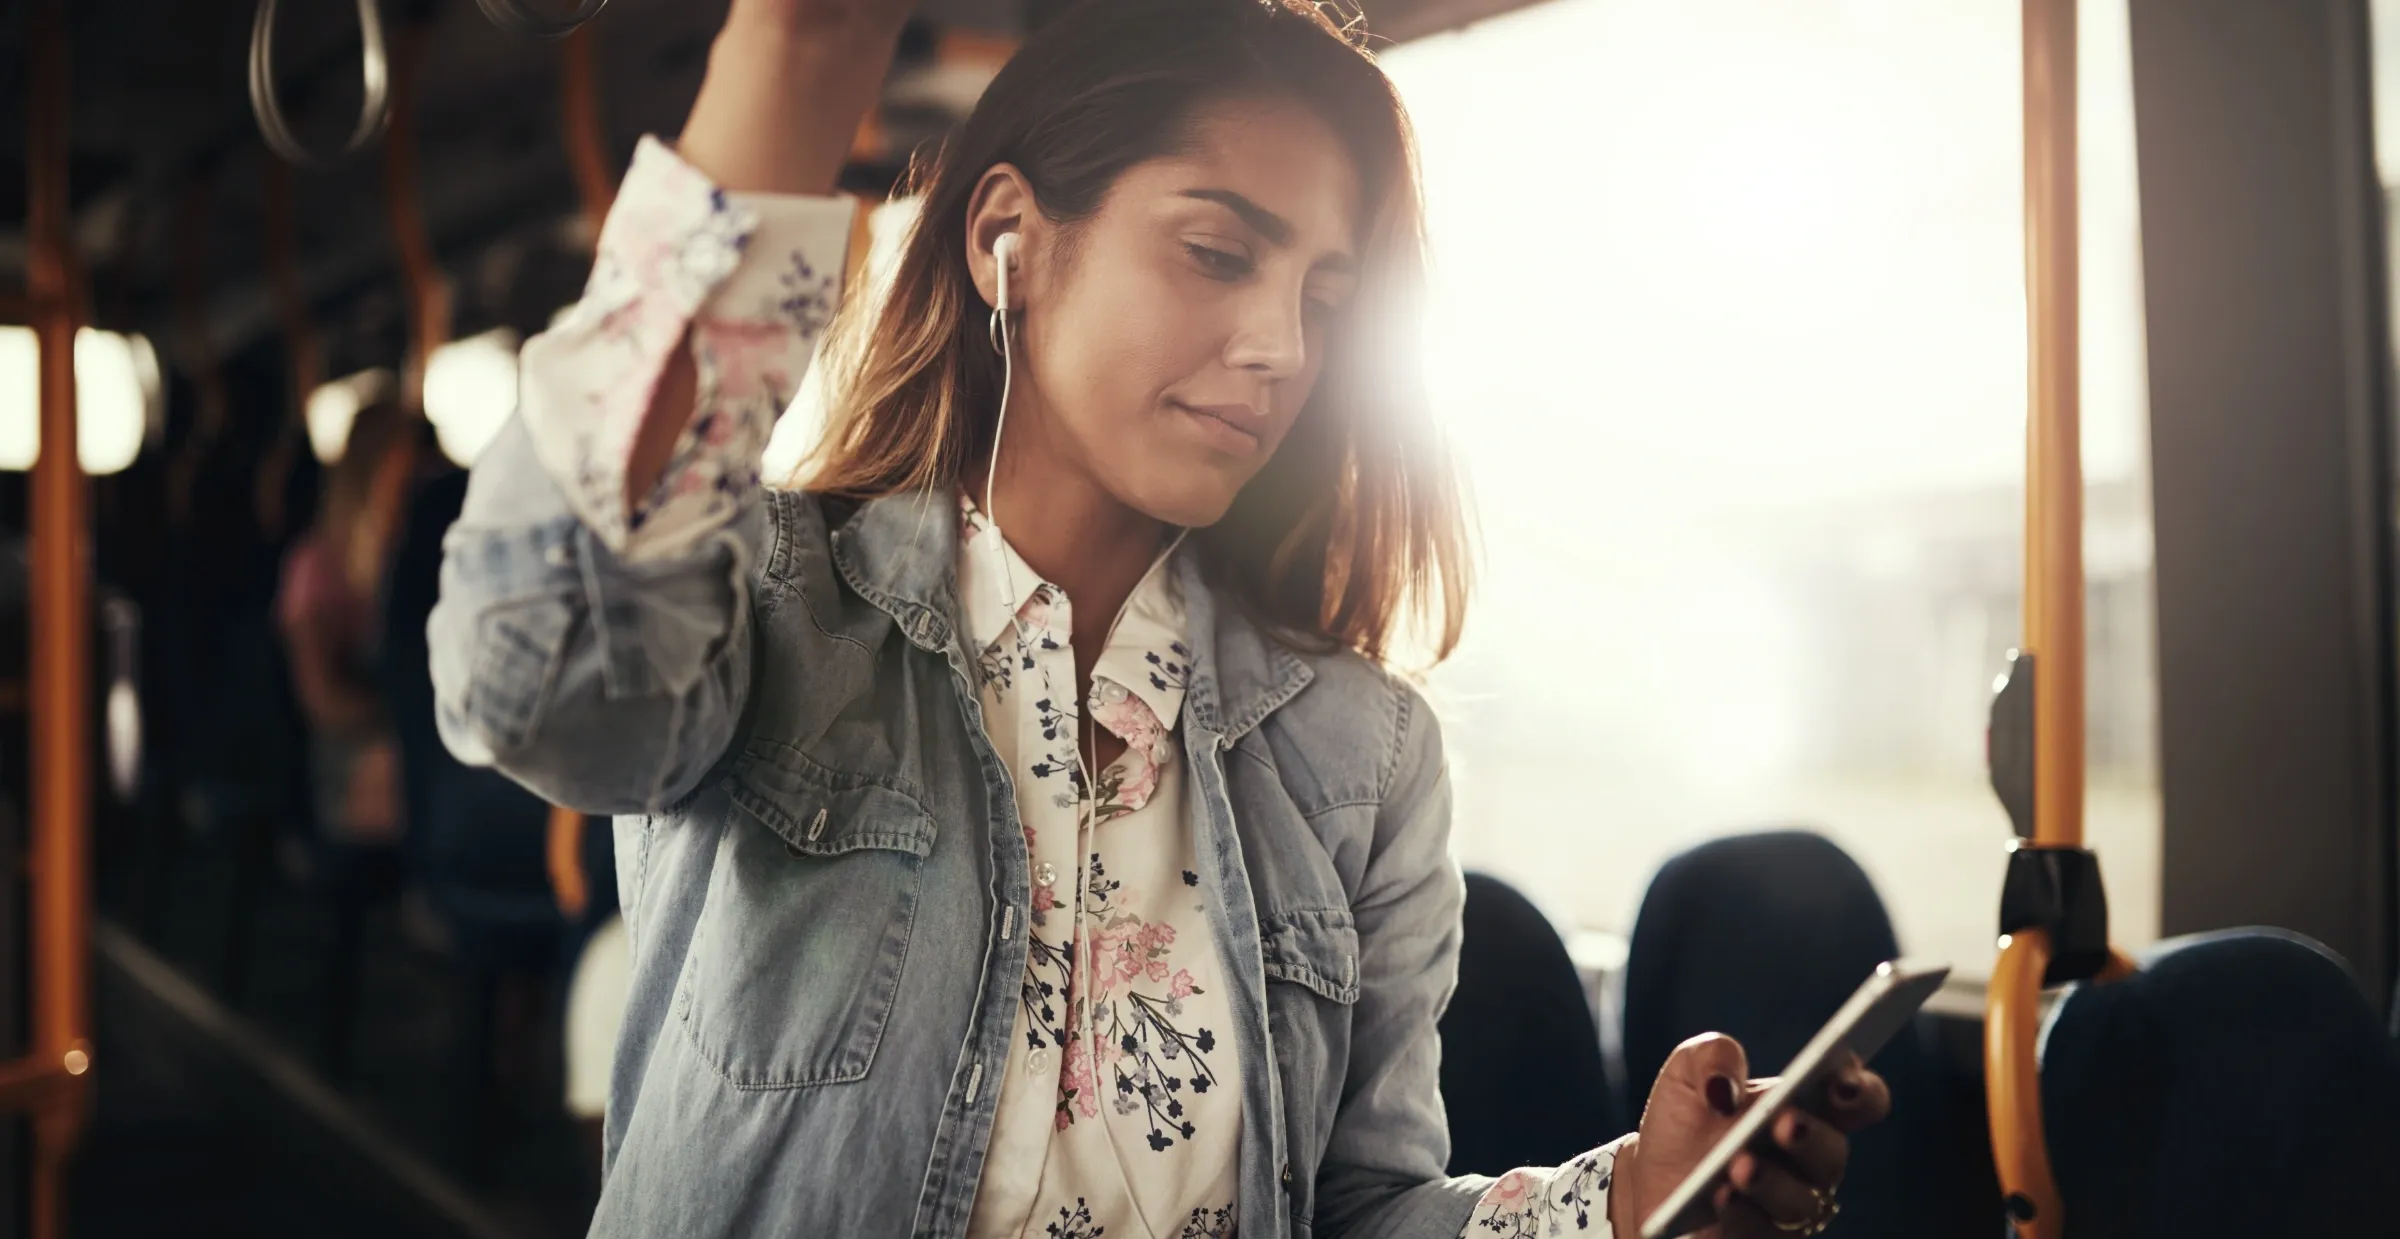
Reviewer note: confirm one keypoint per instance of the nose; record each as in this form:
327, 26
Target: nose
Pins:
1270, 339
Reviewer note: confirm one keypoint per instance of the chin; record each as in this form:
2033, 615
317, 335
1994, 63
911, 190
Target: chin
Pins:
1195, 499
1190, 512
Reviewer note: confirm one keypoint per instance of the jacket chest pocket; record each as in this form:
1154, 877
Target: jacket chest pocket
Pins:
797, 956
1311, 961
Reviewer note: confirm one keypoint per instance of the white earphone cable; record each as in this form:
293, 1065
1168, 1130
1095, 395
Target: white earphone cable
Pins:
1086, 735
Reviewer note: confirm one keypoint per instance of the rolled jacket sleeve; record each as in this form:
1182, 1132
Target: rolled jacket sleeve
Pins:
751, 280
598, 651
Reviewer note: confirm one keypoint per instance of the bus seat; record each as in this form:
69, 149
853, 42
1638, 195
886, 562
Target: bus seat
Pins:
1521, 1069
2238, 1083
1762, 937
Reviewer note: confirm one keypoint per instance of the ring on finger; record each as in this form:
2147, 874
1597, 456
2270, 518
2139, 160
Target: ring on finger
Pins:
1827, 1209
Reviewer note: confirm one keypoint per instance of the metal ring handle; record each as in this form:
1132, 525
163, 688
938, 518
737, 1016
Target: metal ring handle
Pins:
520, 17
374, 75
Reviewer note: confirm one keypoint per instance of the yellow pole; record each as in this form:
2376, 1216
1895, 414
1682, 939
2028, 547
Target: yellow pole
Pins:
2054, 632
2053, 441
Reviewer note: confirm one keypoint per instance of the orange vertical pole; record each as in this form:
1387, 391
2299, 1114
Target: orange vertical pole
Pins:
2054, 426
2054, 626
61, 624
586, 139
304, 357
596, 185
281, 242
428, 300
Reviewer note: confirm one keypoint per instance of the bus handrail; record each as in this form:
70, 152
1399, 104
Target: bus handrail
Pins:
519, 17
374, 76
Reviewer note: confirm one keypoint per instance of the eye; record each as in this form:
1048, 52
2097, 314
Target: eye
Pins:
1324, 301
1219, 264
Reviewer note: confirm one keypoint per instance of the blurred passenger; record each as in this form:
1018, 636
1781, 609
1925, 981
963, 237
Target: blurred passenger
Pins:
327, 611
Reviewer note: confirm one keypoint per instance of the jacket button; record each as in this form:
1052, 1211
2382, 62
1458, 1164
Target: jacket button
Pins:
1287, 1176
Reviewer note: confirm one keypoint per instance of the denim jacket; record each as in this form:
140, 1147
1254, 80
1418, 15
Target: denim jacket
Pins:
820, 863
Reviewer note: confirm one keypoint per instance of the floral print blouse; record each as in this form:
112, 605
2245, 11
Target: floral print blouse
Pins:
1117, 1118
1113, 1116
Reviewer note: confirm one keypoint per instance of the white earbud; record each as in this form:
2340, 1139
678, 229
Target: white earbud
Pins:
1004, 252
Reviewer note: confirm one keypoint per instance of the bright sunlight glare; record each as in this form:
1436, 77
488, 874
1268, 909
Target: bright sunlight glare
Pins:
1727, 324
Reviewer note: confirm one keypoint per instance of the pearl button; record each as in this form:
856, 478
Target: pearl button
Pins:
1039, 1060
1046, 874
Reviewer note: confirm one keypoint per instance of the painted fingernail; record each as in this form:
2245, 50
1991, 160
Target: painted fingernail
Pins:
1794, 1129
1744, 1168
1721, 1096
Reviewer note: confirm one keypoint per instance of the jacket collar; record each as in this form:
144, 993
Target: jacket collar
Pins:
900, 553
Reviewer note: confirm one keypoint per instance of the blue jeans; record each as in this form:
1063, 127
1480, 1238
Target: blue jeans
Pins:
2239, 1085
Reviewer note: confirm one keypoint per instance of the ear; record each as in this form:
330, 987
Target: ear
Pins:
1002, 203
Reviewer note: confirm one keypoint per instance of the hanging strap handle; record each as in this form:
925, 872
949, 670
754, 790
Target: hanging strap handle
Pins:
519, 17
374, 75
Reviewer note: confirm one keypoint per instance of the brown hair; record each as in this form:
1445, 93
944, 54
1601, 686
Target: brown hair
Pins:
1355, 531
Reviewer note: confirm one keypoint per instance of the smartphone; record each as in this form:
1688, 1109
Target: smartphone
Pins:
1880, 1008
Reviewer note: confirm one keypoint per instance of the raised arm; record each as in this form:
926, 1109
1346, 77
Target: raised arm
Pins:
787, 83
593, 638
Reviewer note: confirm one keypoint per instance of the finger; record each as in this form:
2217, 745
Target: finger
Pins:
1739, 1217
1707, 1070
1816, 1149
1776, 1189
1856, 1097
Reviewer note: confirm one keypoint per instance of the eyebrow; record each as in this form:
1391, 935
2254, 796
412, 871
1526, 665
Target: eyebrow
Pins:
1275, 228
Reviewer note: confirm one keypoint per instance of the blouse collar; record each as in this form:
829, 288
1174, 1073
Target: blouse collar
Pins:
1148, 653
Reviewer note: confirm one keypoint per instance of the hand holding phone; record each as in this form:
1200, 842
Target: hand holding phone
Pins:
1761, 1158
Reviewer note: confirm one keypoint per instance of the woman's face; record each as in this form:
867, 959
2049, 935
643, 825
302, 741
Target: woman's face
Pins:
1171, 339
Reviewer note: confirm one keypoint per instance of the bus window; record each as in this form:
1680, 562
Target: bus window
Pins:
1735, 362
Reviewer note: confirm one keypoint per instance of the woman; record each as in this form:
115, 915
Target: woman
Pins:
327, 609
1116, 436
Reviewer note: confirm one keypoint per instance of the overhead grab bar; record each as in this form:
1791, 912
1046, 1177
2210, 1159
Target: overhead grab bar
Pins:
374, 76
520, 17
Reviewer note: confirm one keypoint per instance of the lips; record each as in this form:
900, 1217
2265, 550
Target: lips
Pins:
1235, 427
